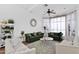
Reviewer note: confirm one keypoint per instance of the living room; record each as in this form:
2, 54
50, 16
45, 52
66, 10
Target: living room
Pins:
26, 28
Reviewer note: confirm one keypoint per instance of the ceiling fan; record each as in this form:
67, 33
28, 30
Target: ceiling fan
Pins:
49, 12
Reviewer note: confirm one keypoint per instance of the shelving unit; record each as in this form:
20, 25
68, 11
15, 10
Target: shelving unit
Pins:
7, 29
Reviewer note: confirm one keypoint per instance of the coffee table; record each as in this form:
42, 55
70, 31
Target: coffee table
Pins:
43, 46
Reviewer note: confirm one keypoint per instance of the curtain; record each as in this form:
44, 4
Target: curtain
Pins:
71, 26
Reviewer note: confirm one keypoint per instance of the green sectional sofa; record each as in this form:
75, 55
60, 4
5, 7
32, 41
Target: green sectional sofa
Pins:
32, 37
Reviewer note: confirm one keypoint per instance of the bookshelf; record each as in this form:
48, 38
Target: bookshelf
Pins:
7, 30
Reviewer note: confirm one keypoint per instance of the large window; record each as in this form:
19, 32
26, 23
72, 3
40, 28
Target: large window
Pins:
58, 25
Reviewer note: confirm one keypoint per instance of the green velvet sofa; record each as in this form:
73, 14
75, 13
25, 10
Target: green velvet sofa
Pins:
32, 37
56, 36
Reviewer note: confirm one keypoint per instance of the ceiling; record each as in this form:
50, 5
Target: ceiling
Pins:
27, 6
40, 9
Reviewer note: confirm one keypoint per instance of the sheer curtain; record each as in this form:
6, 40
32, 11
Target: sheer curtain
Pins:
71, 26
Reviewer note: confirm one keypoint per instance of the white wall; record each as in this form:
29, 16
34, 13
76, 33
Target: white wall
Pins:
21, 17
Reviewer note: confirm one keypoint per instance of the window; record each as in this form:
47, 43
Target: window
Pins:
46, 23
58, 25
